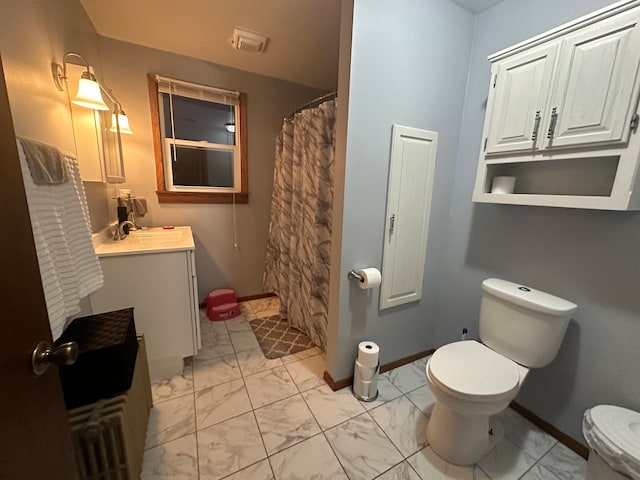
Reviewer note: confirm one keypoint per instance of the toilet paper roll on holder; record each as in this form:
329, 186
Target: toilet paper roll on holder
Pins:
353, 275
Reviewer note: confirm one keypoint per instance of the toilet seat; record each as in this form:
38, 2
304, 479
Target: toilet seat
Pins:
614, 433
470, 370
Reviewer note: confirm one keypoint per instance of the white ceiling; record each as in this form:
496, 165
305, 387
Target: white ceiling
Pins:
477, 6
304, 34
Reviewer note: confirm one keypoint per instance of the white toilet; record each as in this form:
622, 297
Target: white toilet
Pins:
520, 328
613, 434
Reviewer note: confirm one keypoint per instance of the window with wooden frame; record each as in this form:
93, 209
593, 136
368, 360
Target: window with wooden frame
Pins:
200, 142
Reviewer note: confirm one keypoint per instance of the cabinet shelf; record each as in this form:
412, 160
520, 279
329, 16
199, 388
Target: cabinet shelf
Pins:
561, 201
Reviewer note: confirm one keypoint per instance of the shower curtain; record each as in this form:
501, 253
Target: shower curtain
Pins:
299, 244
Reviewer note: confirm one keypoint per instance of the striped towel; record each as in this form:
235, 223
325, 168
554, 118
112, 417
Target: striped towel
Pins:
61, 227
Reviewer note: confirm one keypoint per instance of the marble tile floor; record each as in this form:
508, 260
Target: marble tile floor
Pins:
236, 415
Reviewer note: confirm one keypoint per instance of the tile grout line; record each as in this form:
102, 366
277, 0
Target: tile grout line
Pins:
254, 416
385, 433
402, 394
195, 414
195, 410
366, 412
253, 411
300, 391
322, 432
334, 452
537, 461
195, 423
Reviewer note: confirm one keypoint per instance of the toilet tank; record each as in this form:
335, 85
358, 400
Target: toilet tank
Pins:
521, 323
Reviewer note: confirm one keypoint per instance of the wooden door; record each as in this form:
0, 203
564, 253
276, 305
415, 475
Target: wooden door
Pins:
519, 99
413, 161
35, 440
597, 83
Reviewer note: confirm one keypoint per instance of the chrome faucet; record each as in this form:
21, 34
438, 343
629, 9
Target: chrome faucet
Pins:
118, 230
123, 235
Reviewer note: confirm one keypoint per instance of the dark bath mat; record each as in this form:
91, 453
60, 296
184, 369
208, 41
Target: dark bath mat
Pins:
277, 338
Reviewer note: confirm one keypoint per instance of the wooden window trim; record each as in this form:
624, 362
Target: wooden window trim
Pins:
167, 196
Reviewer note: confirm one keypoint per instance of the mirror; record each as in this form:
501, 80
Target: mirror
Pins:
112, 151
99, 151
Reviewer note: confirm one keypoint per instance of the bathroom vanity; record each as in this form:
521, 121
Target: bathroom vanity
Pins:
153, 270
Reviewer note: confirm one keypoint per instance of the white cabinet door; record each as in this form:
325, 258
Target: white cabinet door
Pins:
413, 159
519, 99
158, 287
195, 304
596, 83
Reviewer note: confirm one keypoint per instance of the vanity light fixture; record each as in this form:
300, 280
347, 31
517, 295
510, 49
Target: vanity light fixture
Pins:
90, 91
120, 121
89, 94
231, 127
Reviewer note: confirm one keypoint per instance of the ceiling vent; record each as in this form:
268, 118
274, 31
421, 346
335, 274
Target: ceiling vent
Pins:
248, 41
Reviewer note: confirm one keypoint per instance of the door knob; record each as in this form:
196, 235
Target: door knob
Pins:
45, 354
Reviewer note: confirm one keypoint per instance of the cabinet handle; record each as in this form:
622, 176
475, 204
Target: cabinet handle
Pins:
393, 224
552, 124
536, 126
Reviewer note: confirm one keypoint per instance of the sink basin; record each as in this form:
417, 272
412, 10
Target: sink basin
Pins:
148, 240
152, 235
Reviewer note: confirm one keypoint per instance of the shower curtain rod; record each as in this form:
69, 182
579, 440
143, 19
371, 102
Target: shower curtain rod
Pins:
313, 103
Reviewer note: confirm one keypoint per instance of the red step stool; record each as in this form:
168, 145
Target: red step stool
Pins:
222, 304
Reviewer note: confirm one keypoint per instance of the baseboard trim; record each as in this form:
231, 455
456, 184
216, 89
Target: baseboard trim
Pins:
338, 384
256, 296
545, 426
403, 361
247, 298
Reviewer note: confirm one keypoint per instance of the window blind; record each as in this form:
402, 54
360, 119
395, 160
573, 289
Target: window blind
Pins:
197, 91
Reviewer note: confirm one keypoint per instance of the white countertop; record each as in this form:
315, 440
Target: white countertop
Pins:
143, 241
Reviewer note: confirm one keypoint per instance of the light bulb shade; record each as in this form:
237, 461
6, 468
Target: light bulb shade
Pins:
231, 127
89, 94
122, 121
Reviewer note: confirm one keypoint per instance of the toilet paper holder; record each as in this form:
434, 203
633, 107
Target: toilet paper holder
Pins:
353, 275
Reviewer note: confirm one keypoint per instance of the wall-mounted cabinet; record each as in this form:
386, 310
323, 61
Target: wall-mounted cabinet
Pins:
561, 115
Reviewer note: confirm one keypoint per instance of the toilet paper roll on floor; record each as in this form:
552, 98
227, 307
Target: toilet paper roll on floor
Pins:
372, 278
368, 354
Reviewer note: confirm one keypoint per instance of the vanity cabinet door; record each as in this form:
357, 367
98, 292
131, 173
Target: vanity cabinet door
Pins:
193, 300
518, 99
595, 93
159, 288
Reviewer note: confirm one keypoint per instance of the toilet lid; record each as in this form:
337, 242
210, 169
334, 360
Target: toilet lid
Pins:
470, 368
614, 432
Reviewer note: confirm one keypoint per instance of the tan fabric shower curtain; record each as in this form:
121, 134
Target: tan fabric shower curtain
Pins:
299, 244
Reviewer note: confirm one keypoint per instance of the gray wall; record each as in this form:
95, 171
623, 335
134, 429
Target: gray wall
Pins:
408, 66
589, 257
218, 264
33, 35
